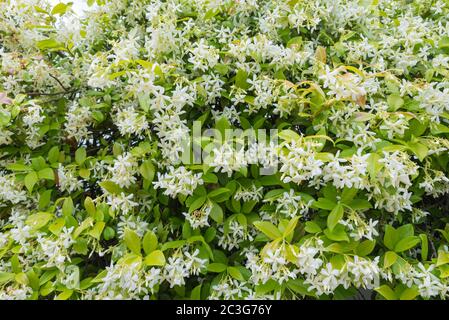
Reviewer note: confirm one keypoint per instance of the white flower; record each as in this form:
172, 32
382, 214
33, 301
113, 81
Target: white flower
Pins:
10, 191
132, 222
327, 280
365, 273
193, 263
179, 180
298, 162
247, 194
78, 121
292, 205
307, 262
127, 48
198, 218
121, 202
175, 271
203, 56
129, 121
343, 86
67, 181
123, 170
237, 233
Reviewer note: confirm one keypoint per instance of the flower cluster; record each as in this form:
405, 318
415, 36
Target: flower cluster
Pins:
107, 191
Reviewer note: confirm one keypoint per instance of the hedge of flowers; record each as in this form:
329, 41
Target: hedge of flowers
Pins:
98, 201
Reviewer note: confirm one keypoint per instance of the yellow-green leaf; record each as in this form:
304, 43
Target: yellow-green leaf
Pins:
268, 229
30, 180
155, 258
149, 242
132, 241
335, 216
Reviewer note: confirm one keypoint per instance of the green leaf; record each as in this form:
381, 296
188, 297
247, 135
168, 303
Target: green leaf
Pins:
5, 117
46, 173
348, 194
268, 229
220, 194
373, 165
39, 220
297, 286
110, 187
444, 271
335, 216
197, 203
38, 163
64, 295
90, 206
390, 258
409, 294
15, 264
360, 204
221, 68
30, 180
323, 203
406, 230
235, 273
47, 276
419, 149
6, 277
387, 292
60, 8
67, 206
338, 234
216, 213
50, 44
417, 128
132, 241
147, 170
84, 173
45, 198
108, 233
406, 244
173, 244
33, 279
210, 178
53, 154
395, 102
290, 227
273, 194
295, 43
196, 293
96, 231
240, 79
57, 226
390, 237
155, 258
312, 227
21, 278
424, 246
443, 258
222, 124
216, 267
365, 248
264, 288
444, 42
149, 242
17, 167
289, 135
80, 155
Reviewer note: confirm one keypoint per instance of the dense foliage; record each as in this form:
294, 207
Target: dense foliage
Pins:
96, 109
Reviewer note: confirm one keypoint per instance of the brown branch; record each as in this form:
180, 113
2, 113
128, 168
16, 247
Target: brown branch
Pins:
34, 93
60, 83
